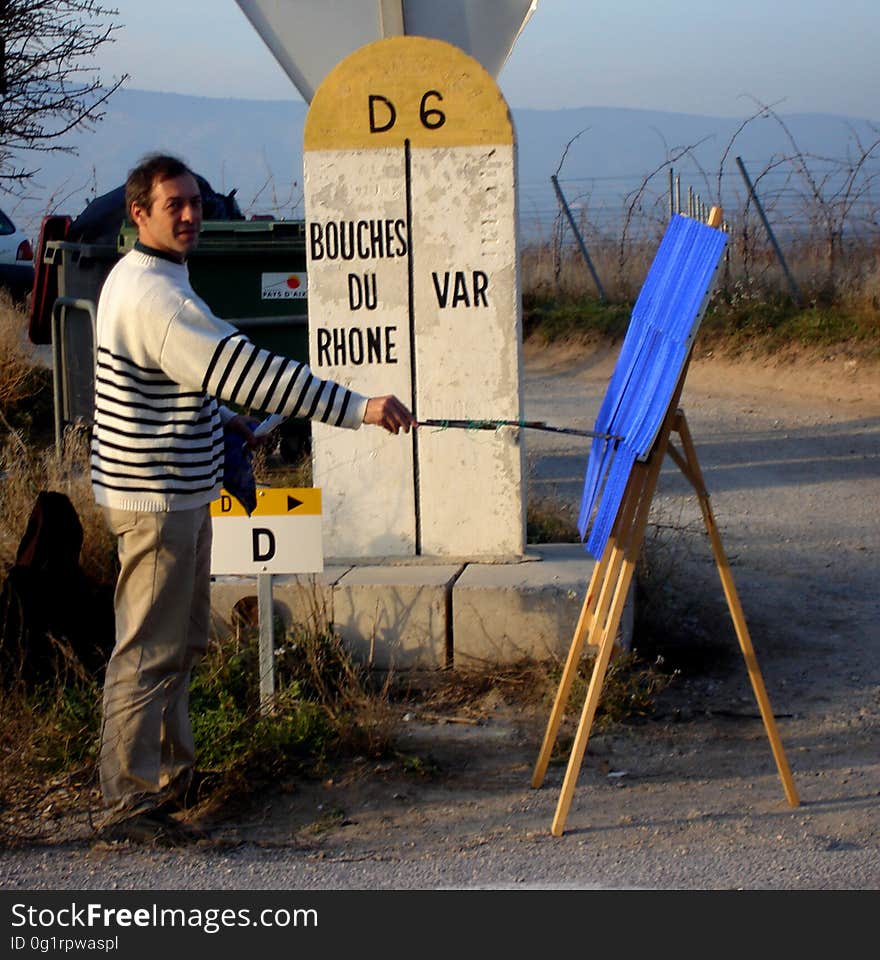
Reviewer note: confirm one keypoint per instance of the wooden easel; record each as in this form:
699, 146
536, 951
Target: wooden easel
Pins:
606, 595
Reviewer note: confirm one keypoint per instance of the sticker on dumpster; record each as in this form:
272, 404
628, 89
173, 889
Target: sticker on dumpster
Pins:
284, 286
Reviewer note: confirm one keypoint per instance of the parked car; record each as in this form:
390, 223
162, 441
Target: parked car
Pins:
16, 259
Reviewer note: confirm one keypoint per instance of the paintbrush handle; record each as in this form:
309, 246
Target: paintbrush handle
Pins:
523, 424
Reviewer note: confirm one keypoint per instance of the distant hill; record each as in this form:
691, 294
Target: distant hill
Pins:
255, 147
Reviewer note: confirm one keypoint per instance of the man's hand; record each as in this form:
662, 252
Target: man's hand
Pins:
243, 425
390, 413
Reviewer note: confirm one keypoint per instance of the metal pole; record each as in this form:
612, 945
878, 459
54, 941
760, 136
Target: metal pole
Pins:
265, 614
671, 193
678, 193
581, 244
795, 293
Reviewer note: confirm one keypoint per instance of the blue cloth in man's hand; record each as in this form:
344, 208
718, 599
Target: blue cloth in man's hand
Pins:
238, 471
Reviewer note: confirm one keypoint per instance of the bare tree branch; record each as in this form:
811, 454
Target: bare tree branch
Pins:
567, 148
48, 81
762, 111
633, 199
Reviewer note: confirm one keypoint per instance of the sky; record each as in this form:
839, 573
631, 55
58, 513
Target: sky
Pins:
710, 57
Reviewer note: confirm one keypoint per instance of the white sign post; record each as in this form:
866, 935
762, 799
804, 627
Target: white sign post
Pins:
414, 289
282, 535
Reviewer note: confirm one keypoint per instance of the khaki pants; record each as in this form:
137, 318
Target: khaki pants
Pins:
163, 605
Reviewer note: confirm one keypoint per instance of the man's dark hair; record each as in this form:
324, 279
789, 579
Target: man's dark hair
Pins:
153, 169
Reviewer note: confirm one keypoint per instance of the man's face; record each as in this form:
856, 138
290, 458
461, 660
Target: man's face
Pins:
173, 221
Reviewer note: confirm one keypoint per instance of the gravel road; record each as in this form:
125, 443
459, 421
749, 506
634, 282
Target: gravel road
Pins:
688, 799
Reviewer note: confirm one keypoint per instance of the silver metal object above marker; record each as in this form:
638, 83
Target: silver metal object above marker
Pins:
308, 39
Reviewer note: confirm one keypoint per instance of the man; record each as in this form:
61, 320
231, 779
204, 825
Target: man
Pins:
162, 362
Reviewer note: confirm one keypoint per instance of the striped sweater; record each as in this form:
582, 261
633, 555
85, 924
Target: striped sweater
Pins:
162, 361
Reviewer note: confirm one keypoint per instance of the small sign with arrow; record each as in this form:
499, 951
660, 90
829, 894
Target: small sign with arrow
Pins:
282, 535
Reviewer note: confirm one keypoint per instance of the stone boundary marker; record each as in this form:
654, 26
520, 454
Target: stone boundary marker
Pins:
414, 290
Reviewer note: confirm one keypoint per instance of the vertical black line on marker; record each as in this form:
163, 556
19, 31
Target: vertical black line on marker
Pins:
407, 159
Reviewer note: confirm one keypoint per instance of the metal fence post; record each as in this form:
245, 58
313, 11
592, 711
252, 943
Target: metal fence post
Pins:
795, 294
579, 238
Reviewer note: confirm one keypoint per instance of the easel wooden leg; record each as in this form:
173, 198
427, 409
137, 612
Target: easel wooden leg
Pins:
569, 671
690, 466
592, 612
600, 619
588, 714
614, 590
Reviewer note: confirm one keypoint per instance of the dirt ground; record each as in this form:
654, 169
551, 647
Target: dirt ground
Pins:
686, 798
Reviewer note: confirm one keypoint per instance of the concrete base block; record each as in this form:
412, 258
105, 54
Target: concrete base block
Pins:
502, 614
296, 598
396, 617
434, 615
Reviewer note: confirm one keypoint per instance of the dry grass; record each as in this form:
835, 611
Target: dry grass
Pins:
561, 274
850, 280
550, 520
27, 467
17, 380
48, 742
47, 734
25, 472
527, 690
751, 311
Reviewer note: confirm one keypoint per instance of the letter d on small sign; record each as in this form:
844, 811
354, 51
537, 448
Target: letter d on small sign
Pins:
260, 552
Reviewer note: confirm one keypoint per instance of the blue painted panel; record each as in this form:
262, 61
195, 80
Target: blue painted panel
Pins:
663, 324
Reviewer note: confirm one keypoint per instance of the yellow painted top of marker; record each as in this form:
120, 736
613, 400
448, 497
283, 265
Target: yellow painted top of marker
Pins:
426, 91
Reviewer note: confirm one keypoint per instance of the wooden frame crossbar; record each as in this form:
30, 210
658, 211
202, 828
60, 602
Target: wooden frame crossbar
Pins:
606, 595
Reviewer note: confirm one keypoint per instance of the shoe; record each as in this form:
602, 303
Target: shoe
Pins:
189, 792
152, 826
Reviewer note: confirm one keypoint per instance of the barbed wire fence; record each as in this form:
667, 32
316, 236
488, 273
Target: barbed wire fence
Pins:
801, 226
